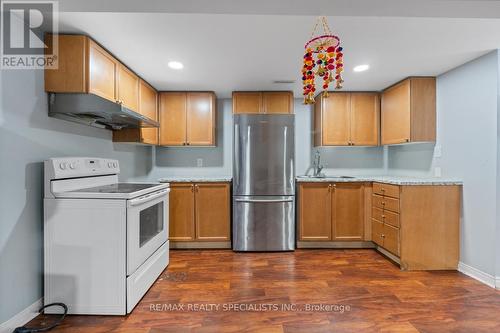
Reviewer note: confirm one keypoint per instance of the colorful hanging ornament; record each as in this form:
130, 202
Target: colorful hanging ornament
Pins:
323, 57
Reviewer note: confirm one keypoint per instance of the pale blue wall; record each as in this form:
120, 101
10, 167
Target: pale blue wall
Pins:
467, 115
27, 137
181, 161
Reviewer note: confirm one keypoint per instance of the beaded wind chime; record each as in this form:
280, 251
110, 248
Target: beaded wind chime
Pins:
323, 57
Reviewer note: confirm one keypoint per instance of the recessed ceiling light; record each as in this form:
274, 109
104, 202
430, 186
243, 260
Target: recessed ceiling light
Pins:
361, 68
175, 65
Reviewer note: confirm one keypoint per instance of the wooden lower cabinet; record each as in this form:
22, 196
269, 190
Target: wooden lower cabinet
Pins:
181, 214
212, 212
347, 212
199, 212
417, 224
331, 212
315, 207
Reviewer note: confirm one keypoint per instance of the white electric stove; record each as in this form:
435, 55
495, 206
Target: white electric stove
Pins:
105, 242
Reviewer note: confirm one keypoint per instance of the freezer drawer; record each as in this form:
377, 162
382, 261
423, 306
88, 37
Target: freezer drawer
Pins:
263, 223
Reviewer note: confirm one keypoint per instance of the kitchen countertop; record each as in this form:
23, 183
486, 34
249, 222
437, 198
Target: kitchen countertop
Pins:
396, 180
195, 179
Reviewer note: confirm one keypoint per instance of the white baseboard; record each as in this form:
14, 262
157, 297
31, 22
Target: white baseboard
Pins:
479, 275
22, 317
497, 282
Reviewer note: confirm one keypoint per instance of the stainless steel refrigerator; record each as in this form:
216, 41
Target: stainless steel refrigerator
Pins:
263, 183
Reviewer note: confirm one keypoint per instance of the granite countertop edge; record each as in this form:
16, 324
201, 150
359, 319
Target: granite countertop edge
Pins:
384, 179
199, 179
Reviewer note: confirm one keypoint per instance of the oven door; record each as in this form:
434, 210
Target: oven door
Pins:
147, 227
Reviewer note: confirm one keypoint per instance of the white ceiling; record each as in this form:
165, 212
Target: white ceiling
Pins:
226, 52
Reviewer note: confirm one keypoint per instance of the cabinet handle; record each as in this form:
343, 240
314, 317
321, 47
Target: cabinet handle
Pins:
407, 140
329, 187
192, 188
187, 143
196, 188
383, 216
382, 189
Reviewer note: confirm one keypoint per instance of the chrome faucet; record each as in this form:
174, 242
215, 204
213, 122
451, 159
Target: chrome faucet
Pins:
317, 167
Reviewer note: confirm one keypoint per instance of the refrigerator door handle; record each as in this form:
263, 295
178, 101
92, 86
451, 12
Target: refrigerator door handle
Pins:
264, 200
236, 154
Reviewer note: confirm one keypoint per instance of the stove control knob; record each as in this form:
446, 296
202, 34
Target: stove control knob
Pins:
115, 165
72, 165
62, 166
110, 165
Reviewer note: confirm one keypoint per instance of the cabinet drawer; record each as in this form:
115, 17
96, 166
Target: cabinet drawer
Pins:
386, 189
391, 218
385, 203
377, 232
391, 239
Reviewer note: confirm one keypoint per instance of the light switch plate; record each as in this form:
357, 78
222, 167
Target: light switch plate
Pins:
199, 162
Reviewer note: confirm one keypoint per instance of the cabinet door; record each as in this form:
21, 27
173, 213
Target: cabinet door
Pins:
102, 72
347, 212
181, 216
396, 114
277, 102
200, 119
172, 119
148, 106
212, 211
315, 221
128, 88
365, 112
247, 102
335, 119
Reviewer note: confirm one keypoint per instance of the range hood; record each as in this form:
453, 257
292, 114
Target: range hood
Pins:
93, 110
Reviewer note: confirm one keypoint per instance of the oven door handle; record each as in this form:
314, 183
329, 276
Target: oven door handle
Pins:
149, 197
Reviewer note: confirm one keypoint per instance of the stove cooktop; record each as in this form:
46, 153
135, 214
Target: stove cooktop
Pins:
117, 188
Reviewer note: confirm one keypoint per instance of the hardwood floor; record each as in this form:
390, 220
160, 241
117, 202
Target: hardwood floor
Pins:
376, 295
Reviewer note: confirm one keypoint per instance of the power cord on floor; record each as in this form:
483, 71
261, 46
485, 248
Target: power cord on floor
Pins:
25, 329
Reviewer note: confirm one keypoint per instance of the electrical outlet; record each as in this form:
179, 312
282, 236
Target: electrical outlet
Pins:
199, 162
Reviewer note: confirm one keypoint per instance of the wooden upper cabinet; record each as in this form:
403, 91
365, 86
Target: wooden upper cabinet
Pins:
173, 114
181, 214
128, 88
315, 214
187, 119
348, 212
148, 101
71, 74
212, 201
201, 119
336, 119
408, 112
102, 72
86, 67
365, 119
277, 102
148, 106
346, 119
247, 102
267, 102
